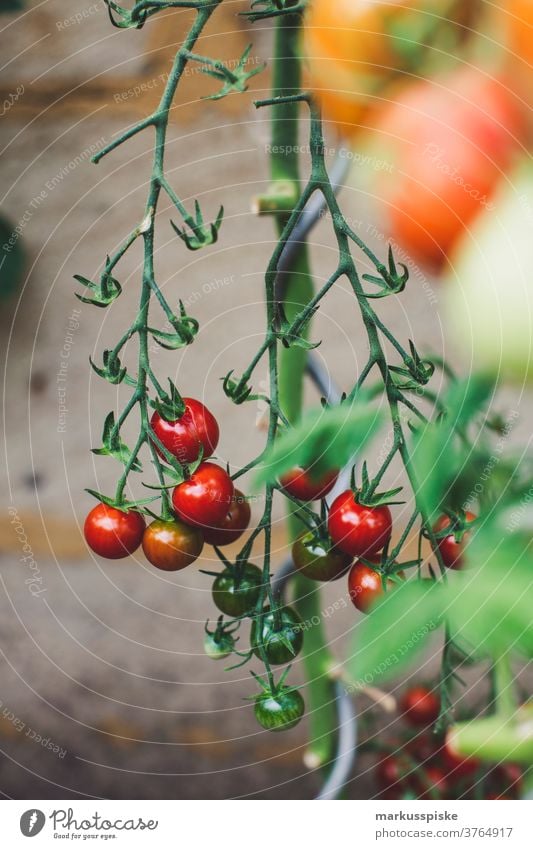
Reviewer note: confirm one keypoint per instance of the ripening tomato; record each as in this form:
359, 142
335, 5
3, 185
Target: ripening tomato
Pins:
205, 498
234, 523
358, 530
364, 586
449, 142
299, 483
195, 430
172, 545
452, 551
317, 559
113, 533
357, 50
279, 711
420, 706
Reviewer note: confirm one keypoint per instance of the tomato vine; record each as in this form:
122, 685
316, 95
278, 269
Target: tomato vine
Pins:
240, 591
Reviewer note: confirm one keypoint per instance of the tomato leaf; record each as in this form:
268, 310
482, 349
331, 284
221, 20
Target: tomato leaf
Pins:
438, 457
493, 608
395, 630
325, 439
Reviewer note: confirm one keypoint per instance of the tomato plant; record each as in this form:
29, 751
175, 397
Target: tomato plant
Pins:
438, 428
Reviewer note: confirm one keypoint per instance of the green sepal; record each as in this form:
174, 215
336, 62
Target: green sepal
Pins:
113, 445
104, 292
202, 234
112, 370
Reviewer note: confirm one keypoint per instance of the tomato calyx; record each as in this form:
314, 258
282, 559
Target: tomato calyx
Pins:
277, 634
366, 494
390, 281
220, 643
458, 525
121, 504
170, 406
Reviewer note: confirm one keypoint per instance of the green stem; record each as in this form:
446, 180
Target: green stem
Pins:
292, 361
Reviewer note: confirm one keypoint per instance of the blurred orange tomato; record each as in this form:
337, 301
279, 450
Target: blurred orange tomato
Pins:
360, 51
448, 141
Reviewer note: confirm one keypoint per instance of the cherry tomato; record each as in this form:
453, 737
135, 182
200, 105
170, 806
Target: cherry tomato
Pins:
279, 711
205, 498
172, 545
113, 533
451, 550
394, 774
281, 636
456, 766
233, 525
196, 429
433, 782
299, 483
358, 530
237, 597
449, 141
218, 646
318, 560
420, 706
365, 586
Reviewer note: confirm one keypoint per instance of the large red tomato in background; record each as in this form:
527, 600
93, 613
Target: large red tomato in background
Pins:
361, 52
449, 141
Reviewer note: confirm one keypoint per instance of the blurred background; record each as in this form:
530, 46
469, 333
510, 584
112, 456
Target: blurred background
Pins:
106, 691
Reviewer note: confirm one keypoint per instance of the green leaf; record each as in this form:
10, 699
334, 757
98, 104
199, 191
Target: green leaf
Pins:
493, 605
395, 630
323, 440
438, 457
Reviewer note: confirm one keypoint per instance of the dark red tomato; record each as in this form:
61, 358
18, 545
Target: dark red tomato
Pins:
451, 550
393, 774
234, 524
299, 483
358, 530
506, 778
365, 586
205, 498
172, 545
433, 783
318, 560
420, 706
113, 533
456, 766
197, 428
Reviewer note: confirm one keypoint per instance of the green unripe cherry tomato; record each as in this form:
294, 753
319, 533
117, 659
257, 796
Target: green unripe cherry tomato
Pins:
318, 560
236, 597
279, 711
218, 647
281, 635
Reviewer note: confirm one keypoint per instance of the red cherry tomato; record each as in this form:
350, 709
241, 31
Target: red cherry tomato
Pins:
113, 533
205, 498
433, 782
365, 586
420, 706
234, 524
451, 550
197, 428
299, 483
358, 530
393, 774
172, 545
457, 766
